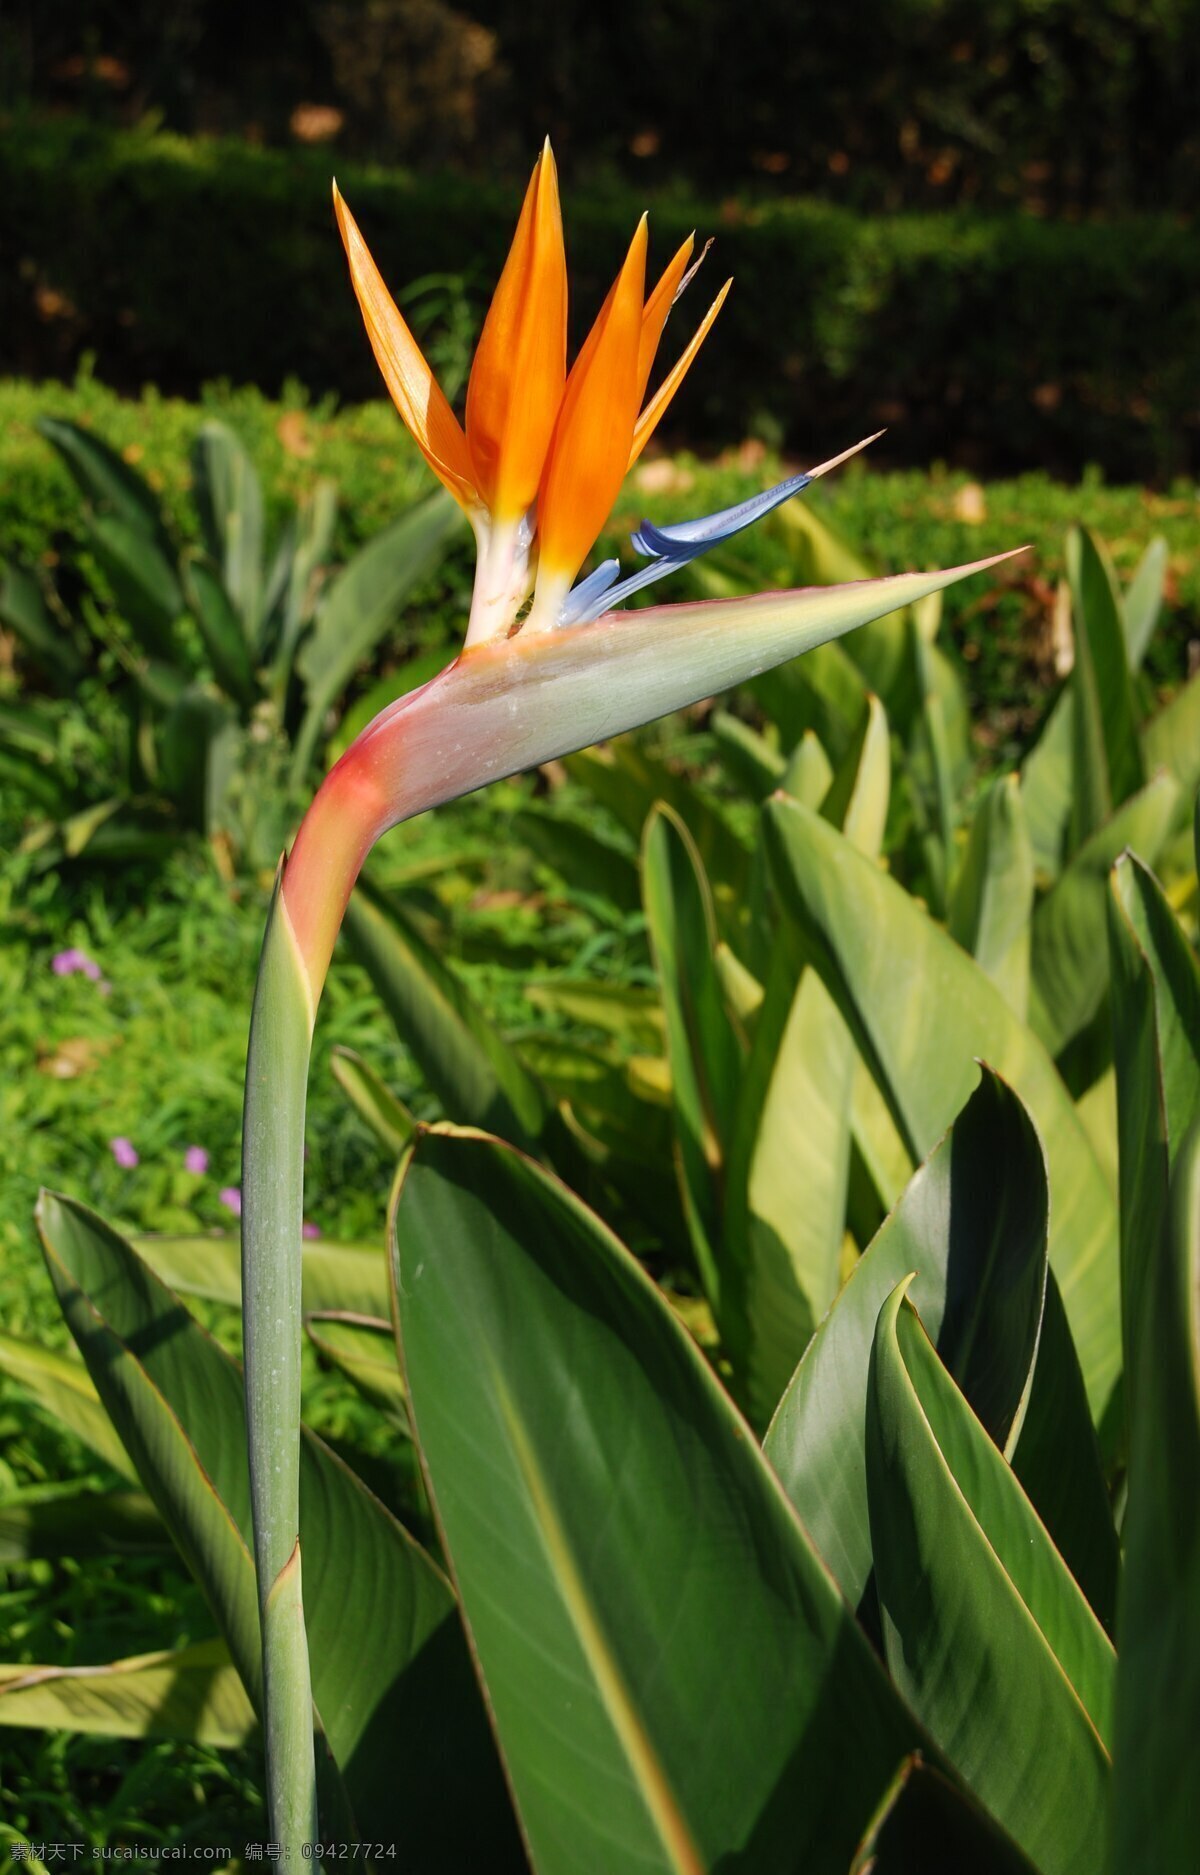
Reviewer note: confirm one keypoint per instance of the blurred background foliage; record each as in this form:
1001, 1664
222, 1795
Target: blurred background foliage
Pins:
972, 225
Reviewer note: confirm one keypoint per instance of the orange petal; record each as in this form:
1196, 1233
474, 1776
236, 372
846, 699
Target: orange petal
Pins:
520, 365
590, 448
413, 387
648, 422
659, 304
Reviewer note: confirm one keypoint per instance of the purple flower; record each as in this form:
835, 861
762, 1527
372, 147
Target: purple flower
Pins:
310, 1229
231, 1198
195, 1159
66, 963
124, 1152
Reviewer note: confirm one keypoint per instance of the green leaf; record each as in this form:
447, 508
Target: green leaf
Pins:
64, 1389
78, 1521
808, 775
472, 1070
106, 480
388, 1661
702, 1045
825, 693
1057, 1459
632, 1015
587, 862
228, 497
194, 752
294, 586
222, 631
1143, 600
751, 762
1156, 1809
24, 611
972, 1225
1171, 740
1107, 758
193, 1693
785, 1208
361, 605
1047, 778
928, 1826
608, 1517
384, 1112
334, 1275
992, 902
986, 1634
922, 1013
1069, 955
363, 1348
628, 781
1156, 1034
143, 581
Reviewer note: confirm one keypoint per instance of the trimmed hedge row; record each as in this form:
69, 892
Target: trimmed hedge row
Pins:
996, 342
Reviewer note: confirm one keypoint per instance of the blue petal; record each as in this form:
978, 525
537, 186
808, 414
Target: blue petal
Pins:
582, 599
667, 549
711, 528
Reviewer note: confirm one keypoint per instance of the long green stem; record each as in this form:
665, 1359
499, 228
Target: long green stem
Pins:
272, 1230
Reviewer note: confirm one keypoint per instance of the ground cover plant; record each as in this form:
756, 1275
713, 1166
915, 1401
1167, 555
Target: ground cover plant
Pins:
907, 1156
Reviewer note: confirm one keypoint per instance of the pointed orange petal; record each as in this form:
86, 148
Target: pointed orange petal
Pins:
648, 422
521, 362
414, 389
659, 304
590, 447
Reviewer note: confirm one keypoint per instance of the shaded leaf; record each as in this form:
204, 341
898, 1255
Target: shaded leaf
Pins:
555, 1397
193, 1693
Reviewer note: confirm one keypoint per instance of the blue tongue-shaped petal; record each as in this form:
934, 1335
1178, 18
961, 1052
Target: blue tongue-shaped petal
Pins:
669, 548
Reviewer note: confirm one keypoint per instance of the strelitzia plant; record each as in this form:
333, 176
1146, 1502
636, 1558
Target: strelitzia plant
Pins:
549, 665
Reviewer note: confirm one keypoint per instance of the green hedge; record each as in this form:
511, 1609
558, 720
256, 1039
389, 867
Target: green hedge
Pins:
997, 342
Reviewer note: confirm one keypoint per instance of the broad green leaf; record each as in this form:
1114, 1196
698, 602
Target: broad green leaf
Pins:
751, 762
1097, 1108
361, 605
294, 587
1156, 1036
64, 1389
1171, 740
106, 480
363, 1348
931, 761
702, 1045
972, 1225
143, 581
608, 1515
24, 611
228, 497
193, 1693
928, 1826
388, 1662
992, 902
986, 1634
922, 1013
470, 1067
1057, 1459
1107, 760
1143, 599
221, 629
194, 750
785, 1201
587, 862
384, 1112
1157, 1802
825, 694
1069, 954
1046, 786
76, 1521
334, 1275
808, 775
633, 1015
628, 781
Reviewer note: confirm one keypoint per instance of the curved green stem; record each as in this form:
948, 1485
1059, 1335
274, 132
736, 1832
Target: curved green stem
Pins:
272, 1231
